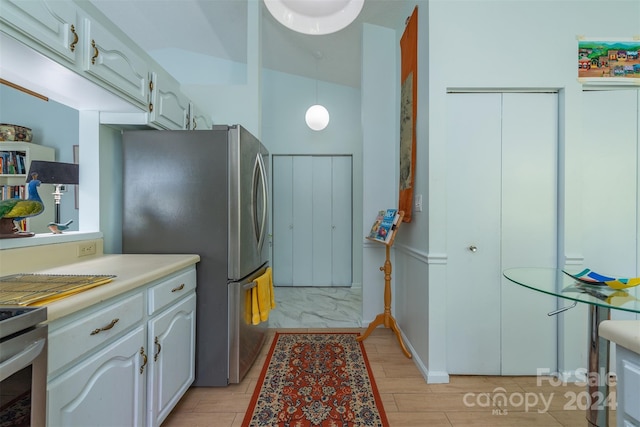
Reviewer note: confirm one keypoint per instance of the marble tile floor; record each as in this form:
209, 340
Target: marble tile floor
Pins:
315, 307
407, 399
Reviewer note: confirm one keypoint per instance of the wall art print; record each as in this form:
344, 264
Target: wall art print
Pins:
609, 61
408, 111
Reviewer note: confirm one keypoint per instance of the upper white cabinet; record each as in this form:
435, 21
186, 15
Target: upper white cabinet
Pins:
109, 59
168, 107
199, 120
77, 36
51, 27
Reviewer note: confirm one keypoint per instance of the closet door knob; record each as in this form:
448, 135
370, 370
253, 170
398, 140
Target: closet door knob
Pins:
473, 248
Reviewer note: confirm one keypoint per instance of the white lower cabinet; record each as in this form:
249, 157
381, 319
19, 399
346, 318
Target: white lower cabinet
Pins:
173, 342
628, 387
126, 361
106, 389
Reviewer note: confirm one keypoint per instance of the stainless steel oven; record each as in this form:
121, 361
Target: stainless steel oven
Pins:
23, 366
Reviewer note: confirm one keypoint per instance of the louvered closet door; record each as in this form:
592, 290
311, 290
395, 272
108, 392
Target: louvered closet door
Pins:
502, 212
312, 199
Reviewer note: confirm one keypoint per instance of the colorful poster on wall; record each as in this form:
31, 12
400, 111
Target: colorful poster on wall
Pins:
408, 110
614, 61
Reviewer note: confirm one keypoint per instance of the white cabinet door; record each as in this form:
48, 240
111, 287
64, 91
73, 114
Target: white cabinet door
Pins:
312, 220
109, 59
502, 212
168, 108
199, 120
52, 25
171, 342
107, 389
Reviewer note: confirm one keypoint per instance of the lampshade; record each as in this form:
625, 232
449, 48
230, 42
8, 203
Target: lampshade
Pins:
54, 172
316, 17
317, 117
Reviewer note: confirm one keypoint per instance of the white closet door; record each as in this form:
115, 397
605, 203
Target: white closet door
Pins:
610, 175
473, 230
322, 220
312, 225
282, 220
303, 231
501, 206
341, 228
529, 228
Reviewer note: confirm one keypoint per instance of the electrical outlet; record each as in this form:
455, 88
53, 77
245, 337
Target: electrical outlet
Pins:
418, 203
88, 248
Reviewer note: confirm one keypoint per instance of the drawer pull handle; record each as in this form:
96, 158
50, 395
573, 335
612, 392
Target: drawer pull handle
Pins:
144, 360
105, 328
155, 356
95, 52
179, 288
72, 46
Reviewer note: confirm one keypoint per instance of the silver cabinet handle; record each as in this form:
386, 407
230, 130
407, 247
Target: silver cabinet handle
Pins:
473, 248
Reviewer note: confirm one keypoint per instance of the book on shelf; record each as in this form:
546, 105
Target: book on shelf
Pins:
384, 225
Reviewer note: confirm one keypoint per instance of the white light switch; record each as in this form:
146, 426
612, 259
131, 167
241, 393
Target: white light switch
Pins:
417, 202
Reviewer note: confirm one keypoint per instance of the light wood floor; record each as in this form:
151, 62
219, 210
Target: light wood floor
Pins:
407, 399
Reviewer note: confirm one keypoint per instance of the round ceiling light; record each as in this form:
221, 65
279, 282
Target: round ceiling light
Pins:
317, 117
316, 17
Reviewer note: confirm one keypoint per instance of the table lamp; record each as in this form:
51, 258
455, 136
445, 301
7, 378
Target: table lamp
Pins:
58, 174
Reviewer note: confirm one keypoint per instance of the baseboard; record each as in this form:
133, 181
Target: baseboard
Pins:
431, 377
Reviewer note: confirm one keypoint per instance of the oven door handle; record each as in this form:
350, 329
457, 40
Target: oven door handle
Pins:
22, 359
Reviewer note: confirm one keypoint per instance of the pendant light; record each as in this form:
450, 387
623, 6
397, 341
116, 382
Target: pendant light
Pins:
315, 17
317, 116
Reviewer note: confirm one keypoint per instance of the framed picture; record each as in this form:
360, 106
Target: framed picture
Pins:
609, 61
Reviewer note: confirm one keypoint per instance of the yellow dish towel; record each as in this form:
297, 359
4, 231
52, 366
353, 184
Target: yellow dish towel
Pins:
262, 298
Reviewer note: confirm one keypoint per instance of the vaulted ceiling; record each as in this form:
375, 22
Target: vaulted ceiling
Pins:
218, 28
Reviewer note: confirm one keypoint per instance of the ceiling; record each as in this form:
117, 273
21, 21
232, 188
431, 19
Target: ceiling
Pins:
218, 28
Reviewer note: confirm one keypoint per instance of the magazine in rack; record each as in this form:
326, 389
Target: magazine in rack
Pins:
385, 226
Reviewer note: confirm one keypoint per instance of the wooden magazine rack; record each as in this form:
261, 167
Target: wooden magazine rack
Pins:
386, 318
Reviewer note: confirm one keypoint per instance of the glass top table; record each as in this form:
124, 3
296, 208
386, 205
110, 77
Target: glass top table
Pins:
555, 282
601, 300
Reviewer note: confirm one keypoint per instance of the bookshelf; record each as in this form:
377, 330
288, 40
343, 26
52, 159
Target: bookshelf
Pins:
386, 318
27, 151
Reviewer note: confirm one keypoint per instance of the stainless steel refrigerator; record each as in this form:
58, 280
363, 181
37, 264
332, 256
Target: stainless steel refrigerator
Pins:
204, 192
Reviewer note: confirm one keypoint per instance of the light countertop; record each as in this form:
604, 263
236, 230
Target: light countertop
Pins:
625, 333
131, 272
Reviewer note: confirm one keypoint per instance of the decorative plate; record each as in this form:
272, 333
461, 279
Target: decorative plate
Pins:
590, 277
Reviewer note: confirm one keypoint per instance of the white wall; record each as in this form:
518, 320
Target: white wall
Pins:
497, 45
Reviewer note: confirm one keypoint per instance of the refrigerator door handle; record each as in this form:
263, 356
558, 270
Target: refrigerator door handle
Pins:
259, 174
249, 285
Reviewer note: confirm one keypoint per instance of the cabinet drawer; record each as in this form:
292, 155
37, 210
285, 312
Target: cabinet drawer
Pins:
171, 290
87, 332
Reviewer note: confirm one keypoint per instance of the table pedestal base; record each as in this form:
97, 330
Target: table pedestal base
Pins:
598, 380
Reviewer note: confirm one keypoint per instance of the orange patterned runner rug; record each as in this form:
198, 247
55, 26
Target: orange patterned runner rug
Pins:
316, 379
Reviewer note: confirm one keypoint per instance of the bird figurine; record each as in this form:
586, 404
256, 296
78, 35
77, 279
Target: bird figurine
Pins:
17, 209
57, 228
